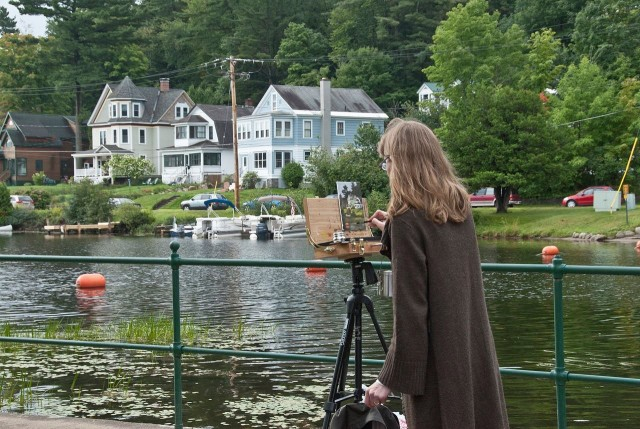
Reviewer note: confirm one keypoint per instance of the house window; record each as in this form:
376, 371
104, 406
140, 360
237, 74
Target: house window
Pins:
244, 131
307, 155
181, 132
143, 157
125, 136
212, 159
306, 129
197, 132
124, 110
182, 110
142, 136
244, 162
115, 136
136, 110
211, 133
282, 158
274, 102
283, 129
174, 161
21, 166
185, 111
194, 159
260, 160
39, 165
113, 112
339, 128
103, 137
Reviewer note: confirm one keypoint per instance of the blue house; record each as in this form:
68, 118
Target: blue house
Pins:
290, 121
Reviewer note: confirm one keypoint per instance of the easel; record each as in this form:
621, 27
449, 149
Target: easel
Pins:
361, 271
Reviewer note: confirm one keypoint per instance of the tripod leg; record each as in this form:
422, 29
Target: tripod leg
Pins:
340, 370
369, 305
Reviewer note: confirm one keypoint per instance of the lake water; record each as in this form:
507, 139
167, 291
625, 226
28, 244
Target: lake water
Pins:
286, 310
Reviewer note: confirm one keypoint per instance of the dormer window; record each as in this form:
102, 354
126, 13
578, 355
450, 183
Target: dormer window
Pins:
124, 110
182, 110
136, 110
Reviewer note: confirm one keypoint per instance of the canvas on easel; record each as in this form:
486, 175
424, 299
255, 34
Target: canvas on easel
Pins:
351, 207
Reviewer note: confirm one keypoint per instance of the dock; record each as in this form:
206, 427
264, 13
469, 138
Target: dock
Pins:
96, 228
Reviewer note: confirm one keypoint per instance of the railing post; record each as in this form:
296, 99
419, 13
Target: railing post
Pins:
177, 342
558, 323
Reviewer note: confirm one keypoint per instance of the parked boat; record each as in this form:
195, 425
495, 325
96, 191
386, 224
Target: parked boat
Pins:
181, 231
7, 229
268, 226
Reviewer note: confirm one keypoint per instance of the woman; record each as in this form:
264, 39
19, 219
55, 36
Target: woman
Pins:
442, 355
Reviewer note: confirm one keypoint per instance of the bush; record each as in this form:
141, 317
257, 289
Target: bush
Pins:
89, 204
41, 199
133, 218
250, 180
27, 219
38, 178
292, 174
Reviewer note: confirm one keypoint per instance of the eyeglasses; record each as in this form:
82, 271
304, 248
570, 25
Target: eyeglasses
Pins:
385, 162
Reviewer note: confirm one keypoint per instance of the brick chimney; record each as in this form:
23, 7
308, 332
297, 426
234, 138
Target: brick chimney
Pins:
164, 84
248, 102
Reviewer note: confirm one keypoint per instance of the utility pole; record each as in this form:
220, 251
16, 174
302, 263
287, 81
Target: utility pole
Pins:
234, 112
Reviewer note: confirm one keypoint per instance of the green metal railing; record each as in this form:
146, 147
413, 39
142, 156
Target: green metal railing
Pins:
557, 268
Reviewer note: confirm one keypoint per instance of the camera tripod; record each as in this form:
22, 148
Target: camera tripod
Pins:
361, 271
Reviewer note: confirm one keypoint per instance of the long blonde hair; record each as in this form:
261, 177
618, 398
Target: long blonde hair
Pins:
420, 174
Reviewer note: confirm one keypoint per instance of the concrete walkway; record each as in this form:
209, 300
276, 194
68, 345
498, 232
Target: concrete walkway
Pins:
20, 421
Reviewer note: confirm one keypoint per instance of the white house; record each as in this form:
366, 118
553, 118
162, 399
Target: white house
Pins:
203, 146
429, 91
132, 120
290, 121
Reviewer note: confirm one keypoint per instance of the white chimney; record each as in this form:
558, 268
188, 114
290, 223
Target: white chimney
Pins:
325, 111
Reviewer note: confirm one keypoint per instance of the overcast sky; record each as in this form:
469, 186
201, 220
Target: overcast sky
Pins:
30, 24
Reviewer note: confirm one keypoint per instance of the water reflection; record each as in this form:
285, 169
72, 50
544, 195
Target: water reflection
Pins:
292, 311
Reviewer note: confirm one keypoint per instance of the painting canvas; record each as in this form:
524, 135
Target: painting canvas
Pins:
351, 207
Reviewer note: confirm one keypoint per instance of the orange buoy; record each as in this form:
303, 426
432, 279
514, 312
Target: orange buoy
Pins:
550, 251
94, 280
315, 270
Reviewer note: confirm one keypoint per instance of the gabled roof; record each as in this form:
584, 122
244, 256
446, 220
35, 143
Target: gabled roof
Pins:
342, 99
222, 117
156, 103
42, 130
432, 86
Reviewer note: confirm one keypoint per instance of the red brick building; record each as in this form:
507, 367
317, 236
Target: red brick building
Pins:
31, 142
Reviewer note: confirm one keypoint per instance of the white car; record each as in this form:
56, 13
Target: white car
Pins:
22, 202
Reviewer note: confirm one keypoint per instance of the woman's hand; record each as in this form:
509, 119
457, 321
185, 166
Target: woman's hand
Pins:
379, 219
376, 395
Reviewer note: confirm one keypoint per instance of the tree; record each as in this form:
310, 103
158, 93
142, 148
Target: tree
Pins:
596, 146
292, 174
357, 162
496, 129
129, 166
7, 24
84, 35
24, 87
606, 31
368, 69
89, 204
5, 203
303, 54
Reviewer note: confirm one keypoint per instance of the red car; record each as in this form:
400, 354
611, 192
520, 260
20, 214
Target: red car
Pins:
584, 197
484, 197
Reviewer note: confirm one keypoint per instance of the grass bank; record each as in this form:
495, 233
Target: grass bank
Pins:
541, 221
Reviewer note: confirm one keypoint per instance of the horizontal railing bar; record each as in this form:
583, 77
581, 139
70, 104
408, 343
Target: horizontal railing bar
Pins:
493, 267
96, 344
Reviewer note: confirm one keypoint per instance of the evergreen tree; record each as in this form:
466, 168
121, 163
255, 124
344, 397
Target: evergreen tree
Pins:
7, 24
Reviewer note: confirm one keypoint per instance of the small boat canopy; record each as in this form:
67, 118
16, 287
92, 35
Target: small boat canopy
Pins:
207, 203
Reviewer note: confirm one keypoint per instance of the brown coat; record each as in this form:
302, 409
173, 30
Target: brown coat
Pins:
442, 355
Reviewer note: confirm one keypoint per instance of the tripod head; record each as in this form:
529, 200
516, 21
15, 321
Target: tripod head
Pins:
360, 266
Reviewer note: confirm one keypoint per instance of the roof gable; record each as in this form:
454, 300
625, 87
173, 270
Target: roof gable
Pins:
347, 100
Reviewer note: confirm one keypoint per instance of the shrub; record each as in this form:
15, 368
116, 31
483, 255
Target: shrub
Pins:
133, 218
250, 179
27, 219
292, 174
38, 178
41, 199
89, 204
